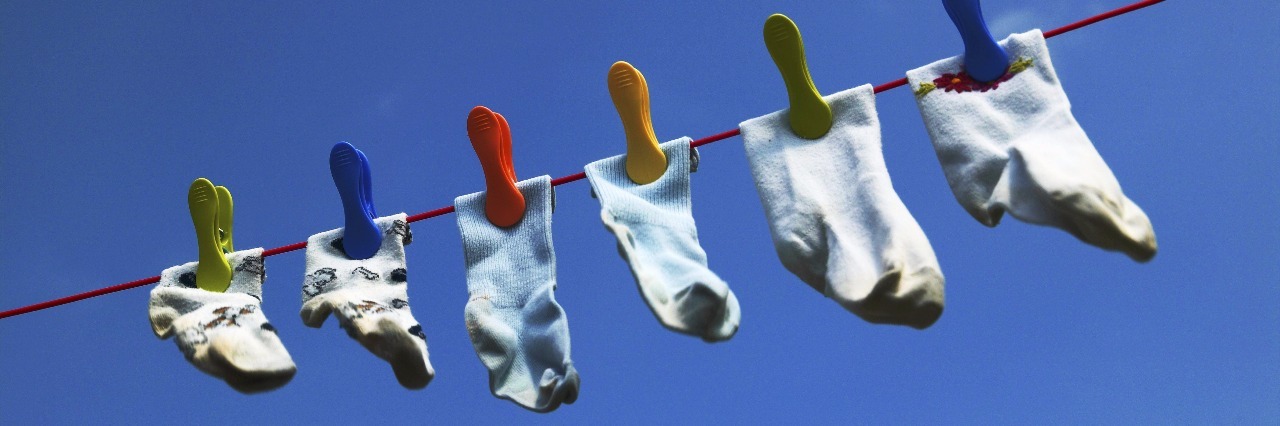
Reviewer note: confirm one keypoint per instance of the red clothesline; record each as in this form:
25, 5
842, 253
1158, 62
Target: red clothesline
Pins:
554, 182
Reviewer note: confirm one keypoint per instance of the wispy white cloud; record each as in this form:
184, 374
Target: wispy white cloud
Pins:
1012, 21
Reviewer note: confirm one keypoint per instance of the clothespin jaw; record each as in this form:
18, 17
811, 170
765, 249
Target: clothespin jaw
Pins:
984, 59
645, 161
361, 237
226, 211
367, 195
213, 273
810, 115
491, 139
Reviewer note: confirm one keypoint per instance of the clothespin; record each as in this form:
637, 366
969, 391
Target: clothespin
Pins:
645, 161
350, 169
984, 59
810, 115
211, 214
491, 139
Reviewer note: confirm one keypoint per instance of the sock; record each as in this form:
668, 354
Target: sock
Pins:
223, 334
1013, 145
654, 227
370, 299
835, 219
519, 331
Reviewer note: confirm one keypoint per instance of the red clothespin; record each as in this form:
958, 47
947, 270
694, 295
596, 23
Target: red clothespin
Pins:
491, 138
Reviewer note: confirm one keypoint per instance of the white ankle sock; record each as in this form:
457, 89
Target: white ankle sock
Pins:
223, 334
370, 299
654, 226
835, 219
1014, 145
519, 331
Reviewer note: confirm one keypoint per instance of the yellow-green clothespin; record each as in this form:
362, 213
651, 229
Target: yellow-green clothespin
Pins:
630, 92
213, 273
810, 115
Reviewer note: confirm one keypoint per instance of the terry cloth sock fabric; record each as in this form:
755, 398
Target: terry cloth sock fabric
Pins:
223, 334
654, 227
370, 299
835, 219
1013, 145
519, 331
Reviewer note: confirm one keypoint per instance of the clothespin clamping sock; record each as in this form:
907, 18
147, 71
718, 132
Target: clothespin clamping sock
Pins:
361, 238
810, 116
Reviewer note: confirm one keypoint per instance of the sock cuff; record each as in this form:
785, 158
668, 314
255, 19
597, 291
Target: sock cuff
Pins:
1030, 79
176, 294
774, 150
616, 191
505, 265
851, 108
248, 270
328, 268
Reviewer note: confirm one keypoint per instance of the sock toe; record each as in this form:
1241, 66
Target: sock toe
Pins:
1109, 221
912, 298
555, 389
401, 349
707, 309
250, 365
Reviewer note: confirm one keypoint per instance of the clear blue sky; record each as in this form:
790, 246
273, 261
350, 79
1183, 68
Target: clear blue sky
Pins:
108, 111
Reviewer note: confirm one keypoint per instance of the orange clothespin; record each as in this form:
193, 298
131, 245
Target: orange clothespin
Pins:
491, 138
630, 92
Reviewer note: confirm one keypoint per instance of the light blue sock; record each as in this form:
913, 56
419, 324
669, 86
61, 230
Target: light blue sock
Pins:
656, 235
519, 331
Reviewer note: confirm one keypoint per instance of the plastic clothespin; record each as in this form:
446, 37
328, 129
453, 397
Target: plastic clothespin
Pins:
984, 59
491, 139
810, 115
361, 237
213, 273
630, 92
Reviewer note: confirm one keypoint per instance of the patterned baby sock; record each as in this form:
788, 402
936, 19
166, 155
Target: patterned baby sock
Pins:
223, 334
654, 226
835, 220
519, 331
370, 299
1013, 145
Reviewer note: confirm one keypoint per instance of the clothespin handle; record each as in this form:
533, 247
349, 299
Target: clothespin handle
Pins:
810, 115
491, 139
645, 161
984, 59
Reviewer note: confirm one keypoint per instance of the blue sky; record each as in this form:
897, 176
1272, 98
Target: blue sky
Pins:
108, 111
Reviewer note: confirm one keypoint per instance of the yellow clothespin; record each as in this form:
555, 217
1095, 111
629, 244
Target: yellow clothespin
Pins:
213, 272
645, 160
810, 115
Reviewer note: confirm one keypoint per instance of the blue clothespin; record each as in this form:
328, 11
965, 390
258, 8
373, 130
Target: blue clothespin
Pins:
350, 169
984, 59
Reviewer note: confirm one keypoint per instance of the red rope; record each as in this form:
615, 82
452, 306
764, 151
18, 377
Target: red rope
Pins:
554, 182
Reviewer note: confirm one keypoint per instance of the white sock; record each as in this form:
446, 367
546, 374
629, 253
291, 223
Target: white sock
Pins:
835, 219
370, 299
519, 331
1014, 146
654, 227
223, 334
